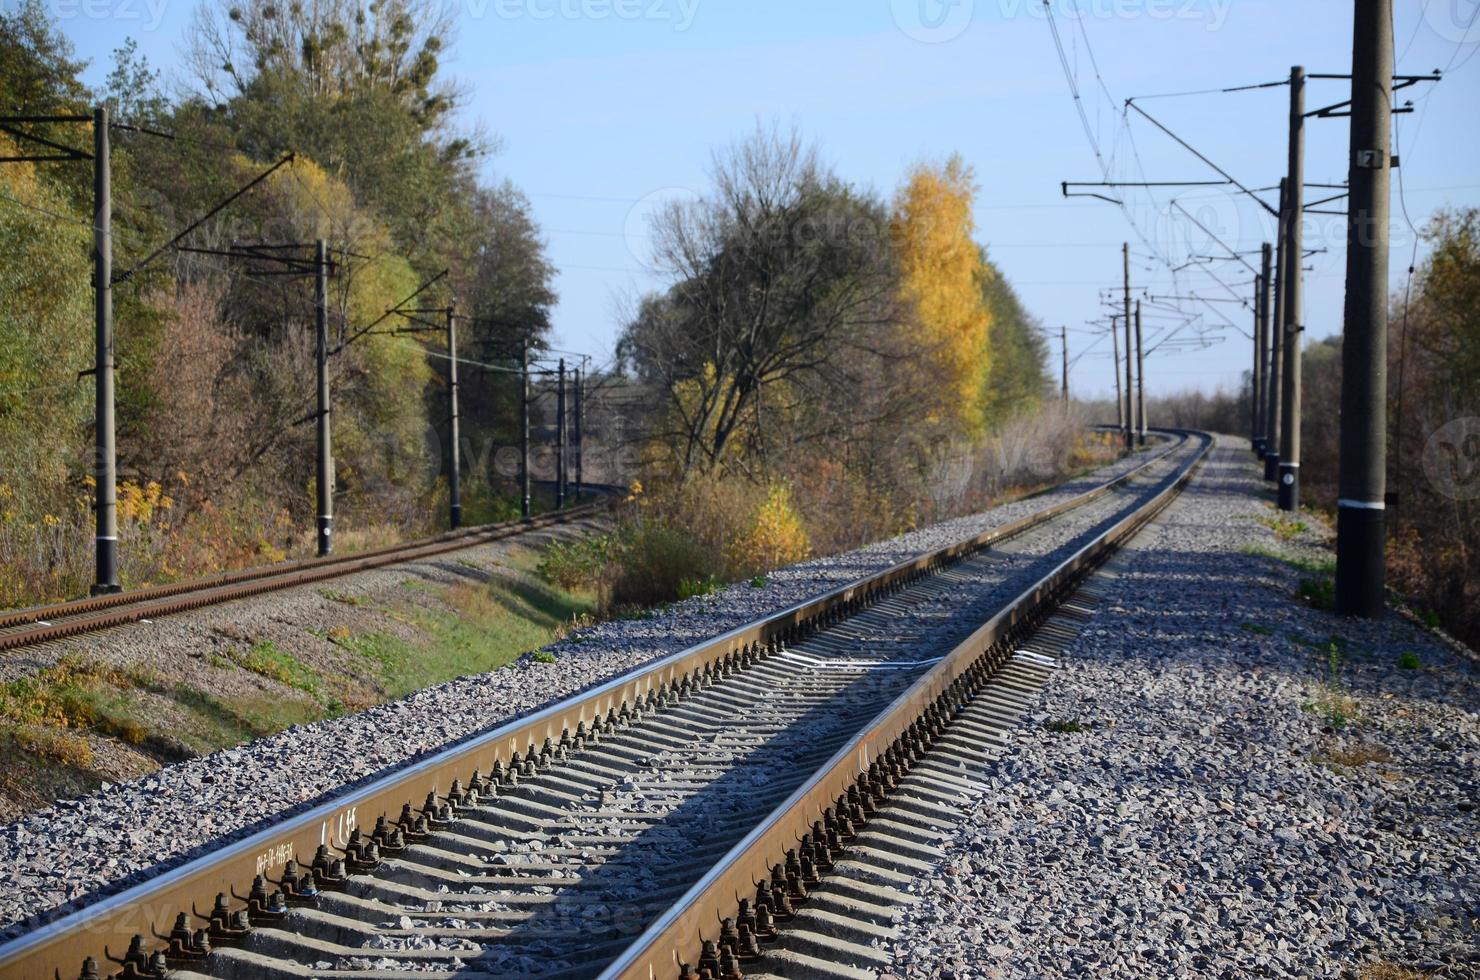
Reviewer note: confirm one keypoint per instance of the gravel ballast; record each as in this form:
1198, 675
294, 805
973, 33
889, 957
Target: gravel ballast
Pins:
64, 856
1259, 788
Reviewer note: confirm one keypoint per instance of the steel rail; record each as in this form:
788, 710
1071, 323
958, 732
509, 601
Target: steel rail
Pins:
55, 944
678, 936
41, 624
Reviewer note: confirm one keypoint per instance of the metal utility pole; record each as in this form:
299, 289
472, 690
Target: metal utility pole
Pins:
1064, 344
1115, 370
1254, 371
1140, 382
454, 480
105, 462
1130, 391
1360, 520
524, 429
1276, 345
580, 429
1261, 320
560, 437
325, 472
1289, 472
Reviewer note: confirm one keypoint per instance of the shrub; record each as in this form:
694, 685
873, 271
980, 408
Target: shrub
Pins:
579, 564
655, 561
774, 538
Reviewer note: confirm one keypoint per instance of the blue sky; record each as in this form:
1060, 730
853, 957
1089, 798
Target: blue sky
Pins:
605, 107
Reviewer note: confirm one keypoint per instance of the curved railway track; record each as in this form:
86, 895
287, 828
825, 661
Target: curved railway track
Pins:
672, 822
43, 624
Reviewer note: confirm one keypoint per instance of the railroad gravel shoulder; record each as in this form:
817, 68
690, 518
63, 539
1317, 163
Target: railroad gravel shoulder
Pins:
1258, 788
63, 857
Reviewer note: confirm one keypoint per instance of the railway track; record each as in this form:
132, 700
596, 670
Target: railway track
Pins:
43, 624
701, 814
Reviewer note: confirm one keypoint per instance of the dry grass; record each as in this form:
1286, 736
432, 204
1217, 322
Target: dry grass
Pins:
1336, 707
1355, 755
45, 713
1389, 971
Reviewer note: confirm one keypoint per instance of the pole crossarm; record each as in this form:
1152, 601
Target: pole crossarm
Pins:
1232, 252
1103, 197
1400, 82
1197, 153
258, 251
64, 152
1203, 299
393, 311
1310, 205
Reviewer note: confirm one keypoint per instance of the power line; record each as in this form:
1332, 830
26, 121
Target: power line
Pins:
49, 214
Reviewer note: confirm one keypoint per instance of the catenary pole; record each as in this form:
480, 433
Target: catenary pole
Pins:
580, 440
324, 472
1289, 472
1254, 372
1115, 370
1276, 348
1360, 520
524, 502
560, 438
454, 425
1140, 382
1130, 391
1064, 346
1261, 299
105, 461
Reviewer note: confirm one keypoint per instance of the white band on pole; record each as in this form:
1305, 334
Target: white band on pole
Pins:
1362, 504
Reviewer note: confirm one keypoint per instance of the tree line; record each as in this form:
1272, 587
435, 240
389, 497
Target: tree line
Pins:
818, 337
842, 360
216, 354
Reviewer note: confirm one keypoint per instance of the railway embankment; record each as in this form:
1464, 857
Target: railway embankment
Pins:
1223, 779
166, 815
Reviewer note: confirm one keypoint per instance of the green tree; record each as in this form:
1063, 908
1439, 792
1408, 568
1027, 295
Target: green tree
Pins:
1019, 373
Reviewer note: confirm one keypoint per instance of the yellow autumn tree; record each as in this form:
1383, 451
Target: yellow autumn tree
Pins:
942, 273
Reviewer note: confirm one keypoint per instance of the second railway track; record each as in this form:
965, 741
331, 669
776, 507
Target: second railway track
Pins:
44, 624
622, 830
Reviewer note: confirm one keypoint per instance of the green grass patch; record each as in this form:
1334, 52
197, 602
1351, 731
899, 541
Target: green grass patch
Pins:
1311, 566
268, 661
689, 588
1318, 593
759, 582
543, 657
1257, 628
1333, 704
1064, 726
1408, 660
494, 624
1284, 528
211, 722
